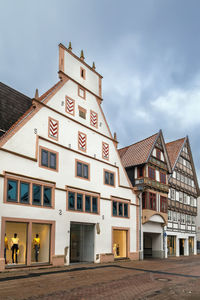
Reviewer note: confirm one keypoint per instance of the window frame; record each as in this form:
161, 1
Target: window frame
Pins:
27, 180
73, 112
154, 172
165, 178
50, 136
139, 168
84, 92
104, 177
163, 200
82, 110
76, 169
154, 201
83, 71
84, 193
118, 202
95, 126
41, 148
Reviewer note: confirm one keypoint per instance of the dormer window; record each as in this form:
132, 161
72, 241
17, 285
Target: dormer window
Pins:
82, 73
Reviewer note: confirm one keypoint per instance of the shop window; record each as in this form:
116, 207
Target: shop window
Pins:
82, 170
109, 178
120, 209
40, 249
152, 201
41, 195
12, 187
24, 192
140, 172
162, 178
82, 201
163, 204
151, 173
48, 159
171, 245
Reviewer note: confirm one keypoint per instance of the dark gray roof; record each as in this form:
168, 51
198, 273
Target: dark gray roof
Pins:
13, 105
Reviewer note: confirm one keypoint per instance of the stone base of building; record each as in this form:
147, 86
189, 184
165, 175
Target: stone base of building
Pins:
158, 253
134, 255
2, 264
107, 257
58, 260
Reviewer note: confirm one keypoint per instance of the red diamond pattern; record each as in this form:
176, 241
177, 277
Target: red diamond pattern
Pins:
70, 106
105, 150
53, 128
82, 141
93, 118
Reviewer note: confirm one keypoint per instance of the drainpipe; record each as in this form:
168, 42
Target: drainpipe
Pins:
141, 257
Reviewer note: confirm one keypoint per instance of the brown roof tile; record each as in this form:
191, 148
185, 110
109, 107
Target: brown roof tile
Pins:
173, 149
137, 153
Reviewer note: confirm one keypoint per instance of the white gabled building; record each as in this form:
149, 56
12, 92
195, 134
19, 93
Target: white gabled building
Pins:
61, 176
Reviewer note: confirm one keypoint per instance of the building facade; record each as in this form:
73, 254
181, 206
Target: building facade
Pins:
182, 200
62, 179
147, 165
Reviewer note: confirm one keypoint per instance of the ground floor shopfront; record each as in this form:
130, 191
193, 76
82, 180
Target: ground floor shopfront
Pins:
25, 251
181, 244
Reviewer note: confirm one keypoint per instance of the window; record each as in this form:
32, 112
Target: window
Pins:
83, 201
174, 216
12, 187
169, 215
41, 195
82, 170
24, 192
144, 200
158, 153
82, 112
162, 177
163, 204
140, 172
151, 173
183, 218
152, 201
109, 178
181, 196
82, 73
120, 209
81, 92
48, 159
172, 194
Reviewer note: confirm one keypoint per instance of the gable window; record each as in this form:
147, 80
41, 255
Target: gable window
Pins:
140, 172
82, 112
82, 73
48, 159
158, 153
152, 201
163, 204
82, 170
30, 192
120, 209
109, 178
83, 202
162, 177
151, 173
81, 92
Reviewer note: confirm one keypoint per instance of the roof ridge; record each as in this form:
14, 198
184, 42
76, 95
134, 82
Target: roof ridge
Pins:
139, 141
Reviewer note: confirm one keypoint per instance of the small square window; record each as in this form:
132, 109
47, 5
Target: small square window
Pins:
82, 170
109, 178
82, 73
48, 159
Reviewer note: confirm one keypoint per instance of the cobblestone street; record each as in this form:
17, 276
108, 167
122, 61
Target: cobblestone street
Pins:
174, 278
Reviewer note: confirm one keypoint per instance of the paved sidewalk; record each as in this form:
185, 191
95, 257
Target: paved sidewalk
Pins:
174, 278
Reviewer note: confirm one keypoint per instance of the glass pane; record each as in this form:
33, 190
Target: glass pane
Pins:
24, 192
44, 158
106, 178
47, 196
36, 194
87, 203
114, 208
85, 171
111, 179
125, 210
79, 202
40, 246
79, 169
12, 190
120, 209
16, 234
94, 204
71, 200
52, 160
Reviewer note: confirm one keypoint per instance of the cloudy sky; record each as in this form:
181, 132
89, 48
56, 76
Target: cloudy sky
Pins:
147, 51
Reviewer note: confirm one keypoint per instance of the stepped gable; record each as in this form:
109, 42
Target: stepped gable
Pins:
173, 150
138, 153
13, 105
